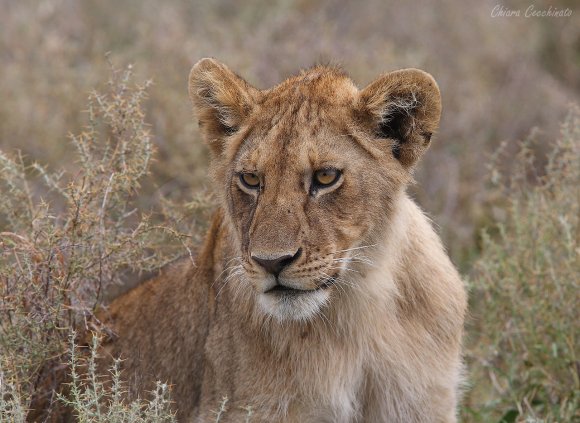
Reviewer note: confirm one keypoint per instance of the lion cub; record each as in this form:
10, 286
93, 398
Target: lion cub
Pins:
321, 293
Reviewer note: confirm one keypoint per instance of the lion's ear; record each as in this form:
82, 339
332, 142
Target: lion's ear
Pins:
221, 100
403, 106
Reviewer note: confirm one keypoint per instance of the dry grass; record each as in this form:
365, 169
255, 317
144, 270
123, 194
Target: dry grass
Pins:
524, 342
93, 398
74, 227
69, 237
499, 77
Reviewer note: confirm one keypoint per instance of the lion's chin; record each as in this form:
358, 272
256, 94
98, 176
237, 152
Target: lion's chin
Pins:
293, 305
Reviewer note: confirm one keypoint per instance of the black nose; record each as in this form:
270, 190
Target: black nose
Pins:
276, 264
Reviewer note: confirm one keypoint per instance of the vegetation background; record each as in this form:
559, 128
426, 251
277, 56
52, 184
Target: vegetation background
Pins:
507, 211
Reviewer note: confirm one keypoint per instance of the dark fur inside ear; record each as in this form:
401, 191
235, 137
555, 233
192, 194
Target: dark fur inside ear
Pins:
220, 128
229, 130
395, 124
404, 107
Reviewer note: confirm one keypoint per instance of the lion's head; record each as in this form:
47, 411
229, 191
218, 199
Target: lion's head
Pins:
309, 170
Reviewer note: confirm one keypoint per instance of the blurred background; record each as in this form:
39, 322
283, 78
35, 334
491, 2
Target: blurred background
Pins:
503, 80
500, 77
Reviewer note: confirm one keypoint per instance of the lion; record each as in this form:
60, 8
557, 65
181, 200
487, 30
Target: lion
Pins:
321, 292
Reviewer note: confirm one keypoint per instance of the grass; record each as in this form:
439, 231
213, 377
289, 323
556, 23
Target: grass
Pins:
63, 248
53, 53
116, 198
93, 398
67, 239
524, 344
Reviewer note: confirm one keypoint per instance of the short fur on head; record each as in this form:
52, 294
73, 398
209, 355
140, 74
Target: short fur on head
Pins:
316, 120
322, 293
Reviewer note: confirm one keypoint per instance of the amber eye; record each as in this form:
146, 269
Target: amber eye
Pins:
250, 180
326, 177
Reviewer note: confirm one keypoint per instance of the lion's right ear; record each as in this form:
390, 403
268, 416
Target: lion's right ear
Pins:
221, 100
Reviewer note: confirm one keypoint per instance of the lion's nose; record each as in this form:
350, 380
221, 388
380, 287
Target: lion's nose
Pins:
274, 264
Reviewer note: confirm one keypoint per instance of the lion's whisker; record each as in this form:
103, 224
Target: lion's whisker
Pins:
226, 268
355, 248
236, 271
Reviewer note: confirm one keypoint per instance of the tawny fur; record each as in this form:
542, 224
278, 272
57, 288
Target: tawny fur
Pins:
383, 342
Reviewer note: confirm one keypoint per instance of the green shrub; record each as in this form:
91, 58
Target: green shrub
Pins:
525, 326
61, 250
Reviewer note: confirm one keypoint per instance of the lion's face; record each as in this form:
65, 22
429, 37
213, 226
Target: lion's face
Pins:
299, 199
309, 171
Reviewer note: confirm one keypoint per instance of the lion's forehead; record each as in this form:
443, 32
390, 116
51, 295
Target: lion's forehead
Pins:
304, 104
295, 152
304, 139
322, 85
300, 126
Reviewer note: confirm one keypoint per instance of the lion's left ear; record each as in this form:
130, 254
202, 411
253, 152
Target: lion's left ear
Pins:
403, 106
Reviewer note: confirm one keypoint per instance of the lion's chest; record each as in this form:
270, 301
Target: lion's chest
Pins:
320, 384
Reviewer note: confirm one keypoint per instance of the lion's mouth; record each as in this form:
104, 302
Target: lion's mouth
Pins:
287, 290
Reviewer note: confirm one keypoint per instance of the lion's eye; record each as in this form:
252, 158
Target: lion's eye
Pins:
326, 177
250, 180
